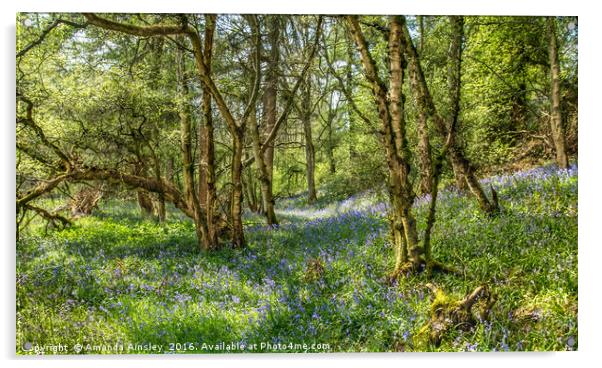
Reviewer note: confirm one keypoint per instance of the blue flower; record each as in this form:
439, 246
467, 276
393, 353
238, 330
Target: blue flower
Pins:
570, 341
406, 335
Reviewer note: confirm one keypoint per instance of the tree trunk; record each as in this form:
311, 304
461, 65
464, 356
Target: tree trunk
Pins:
161, 197
460, 164
424, 147
249, 186
454, 83
389, 102
332, 166
310, 153
556, 123
265, 160
238, 134
207, 187
143, 197
424, 155
459, 161
406, 194
186, 152
264, 176
238, 238
271, 93
157, 50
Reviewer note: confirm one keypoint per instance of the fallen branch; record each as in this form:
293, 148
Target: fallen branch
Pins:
53, 218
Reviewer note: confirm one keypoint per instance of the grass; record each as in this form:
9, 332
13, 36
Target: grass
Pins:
116, 279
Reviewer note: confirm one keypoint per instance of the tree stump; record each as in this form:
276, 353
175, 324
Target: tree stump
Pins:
447, 312
85, 201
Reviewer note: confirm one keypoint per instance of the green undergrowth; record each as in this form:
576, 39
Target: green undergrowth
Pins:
116, 278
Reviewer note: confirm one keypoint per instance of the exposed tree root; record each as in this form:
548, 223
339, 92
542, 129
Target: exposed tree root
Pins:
410, 268
434, 265
447, 313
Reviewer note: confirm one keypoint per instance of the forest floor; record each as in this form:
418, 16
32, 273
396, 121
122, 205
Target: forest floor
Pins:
116, 279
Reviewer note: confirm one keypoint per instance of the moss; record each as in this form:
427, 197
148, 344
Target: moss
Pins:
447, 312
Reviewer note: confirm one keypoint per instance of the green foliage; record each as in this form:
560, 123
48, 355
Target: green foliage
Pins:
108, 101
117, 278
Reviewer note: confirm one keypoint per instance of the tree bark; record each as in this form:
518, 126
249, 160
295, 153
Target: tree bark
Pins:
270, 94
556, 123
454, 83
424, 146
207, 178
238, 237
310, 153
389, 103
160, 208
186, 152
143, 198
157, 47
460, 164
249, 185
332, 166
264, 176
238, 133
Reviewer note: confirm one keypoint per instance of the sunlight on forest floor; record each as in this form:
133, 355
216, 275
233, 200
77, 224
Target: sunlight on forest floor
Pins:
116, 278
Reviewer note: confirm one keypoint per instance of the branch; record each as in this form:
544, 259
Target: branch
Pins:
146, 31
172, 194
289, 104
252, 19
347, 93
41, 189
28, 120
35, 154
45, 33
368, 62
52, 217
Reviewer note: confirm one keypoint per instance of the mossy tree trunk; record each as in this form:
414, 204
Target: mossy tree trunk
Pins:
207, 177
556, 124
186, 151
458, 160
264, 177
389, 103
270, 115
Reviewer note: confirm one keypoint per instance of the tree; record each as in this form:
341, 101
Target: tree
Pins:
424, 99
556, 123
236, 128
265, 161
310, 152
264, 156
175, 108
390, 109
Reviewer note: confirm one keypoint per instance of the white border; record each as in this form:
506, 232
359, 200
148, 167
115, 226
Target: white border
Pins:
589, 166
